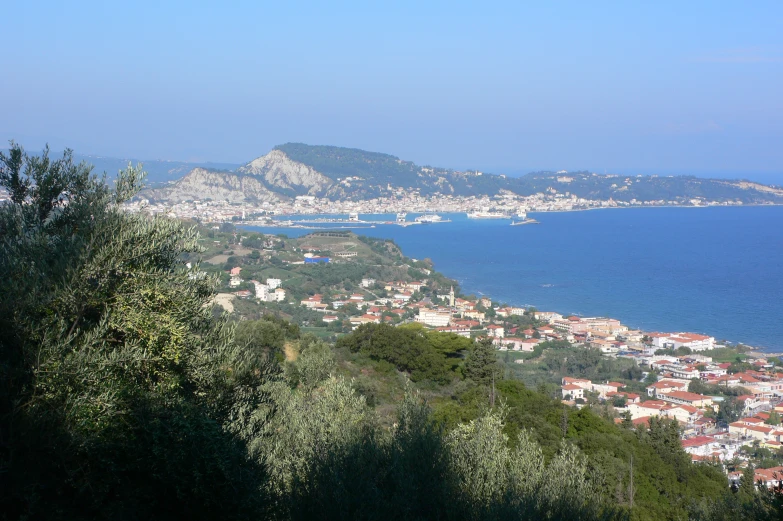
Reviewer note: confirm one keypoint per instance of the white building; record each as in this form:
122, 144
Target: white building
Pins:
432, 317
495, 331
262, 291
273, 283
366, 283
693, 341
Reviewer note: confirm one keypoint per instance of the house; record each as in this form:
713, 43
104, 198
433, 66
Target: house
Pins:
474, 314
686, 398
646, 409
687, 372
495, 331
273, 283
608, 387
684, 414
330, 318
457, 330
415, 285
692, 341
629, 397
547, 316
366, 283
519, 344
404, 296
365, 319
262, 291
666, 386
584, 384
704, 448
573, 392
311, 302
234, 272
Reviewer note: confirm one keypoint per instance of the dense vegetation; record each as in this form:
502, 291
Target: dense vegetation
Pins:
124, 395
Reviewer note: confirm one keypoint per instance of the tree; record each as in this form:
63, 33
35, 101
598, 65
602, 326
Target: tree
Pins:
260, 336
121, 395
747, 486
481, 363
774, 418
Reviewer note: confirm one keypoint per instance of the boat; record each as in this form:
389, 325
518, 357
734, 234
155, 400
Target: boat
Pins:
487, 215
524, 221
401, 217
428, 218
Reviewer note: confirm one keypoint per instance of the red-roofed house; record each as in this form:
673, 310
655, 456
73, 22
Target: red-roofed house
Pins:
686, 398
572, 391
665, 386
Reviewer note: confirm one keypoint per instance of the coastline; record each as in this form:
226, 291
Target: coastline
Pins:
459, 252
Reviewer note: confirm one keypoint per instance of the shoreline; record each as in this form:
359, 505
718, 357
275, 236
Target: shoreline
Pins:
724, 338
510, 218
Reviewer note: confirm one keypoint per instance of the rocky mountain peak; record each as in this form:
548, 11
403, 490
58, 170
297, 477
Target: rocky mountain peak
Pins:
279, 171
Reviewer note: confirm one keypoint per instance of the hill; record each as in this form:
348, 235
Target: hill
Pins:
339, 173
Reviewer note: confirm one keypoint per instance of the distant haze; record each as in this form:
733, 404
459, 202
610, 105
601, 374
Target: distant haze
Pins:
664, 87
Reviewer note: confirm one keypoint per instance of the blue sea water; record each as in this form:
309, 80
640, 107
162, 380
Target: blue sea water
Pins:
710, 270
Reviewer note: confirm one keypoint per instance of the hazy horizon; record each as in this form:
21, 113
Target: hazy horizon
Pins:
668, 88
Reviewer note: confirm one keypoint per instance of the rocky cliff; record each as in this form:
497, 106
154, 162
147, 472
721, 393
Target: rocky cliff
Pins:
282, 173
201, 183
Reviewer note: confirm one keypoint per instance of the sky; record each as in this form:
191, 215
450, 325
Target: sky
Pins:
627, 87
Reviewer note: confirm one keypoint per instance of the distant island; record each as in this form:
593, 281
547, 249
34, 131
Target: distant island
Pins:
295, 178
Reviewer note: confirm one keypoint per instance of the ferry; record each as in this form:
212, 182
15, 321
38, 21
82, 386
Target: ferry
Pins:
401, 217
428, 218
487, 215
524, 221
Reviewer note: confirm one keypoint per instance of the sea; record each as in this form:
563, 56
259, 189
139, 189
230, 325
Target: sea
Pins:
714, 270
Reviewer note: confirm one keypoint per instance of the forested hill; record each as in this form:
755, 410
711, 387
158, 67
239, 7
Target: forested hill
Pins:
347, 173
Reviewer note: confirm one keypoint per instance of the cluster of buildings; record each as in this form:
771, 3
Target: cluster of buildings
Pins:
395, 200
270, 291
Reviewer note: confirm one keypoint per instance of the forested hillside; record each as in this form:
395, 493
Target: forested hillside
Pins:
125, 394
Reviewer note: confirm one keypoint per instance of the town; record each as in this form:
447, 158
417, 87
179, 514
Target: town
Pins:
400, 201
728, 406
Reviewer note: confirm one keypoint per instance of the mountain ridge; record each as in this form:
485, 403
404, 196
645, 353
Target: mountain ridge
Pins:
336, 173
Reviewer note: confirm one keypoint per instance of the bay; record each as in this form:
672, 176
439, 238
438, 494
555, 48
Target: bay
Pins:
716, 270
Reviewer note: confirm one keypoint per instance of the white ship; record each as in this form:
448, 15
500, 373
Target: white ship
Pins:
428, 218
487, 215
401, 217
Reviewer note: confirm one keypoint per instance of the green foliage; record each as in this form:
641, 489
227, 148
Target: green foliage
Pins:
407, 348
120, 396
260, 336
315, 362
481, 364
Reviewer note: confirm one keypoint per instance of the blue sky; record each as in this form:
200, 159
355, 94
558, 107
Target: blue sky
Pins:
668, 87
